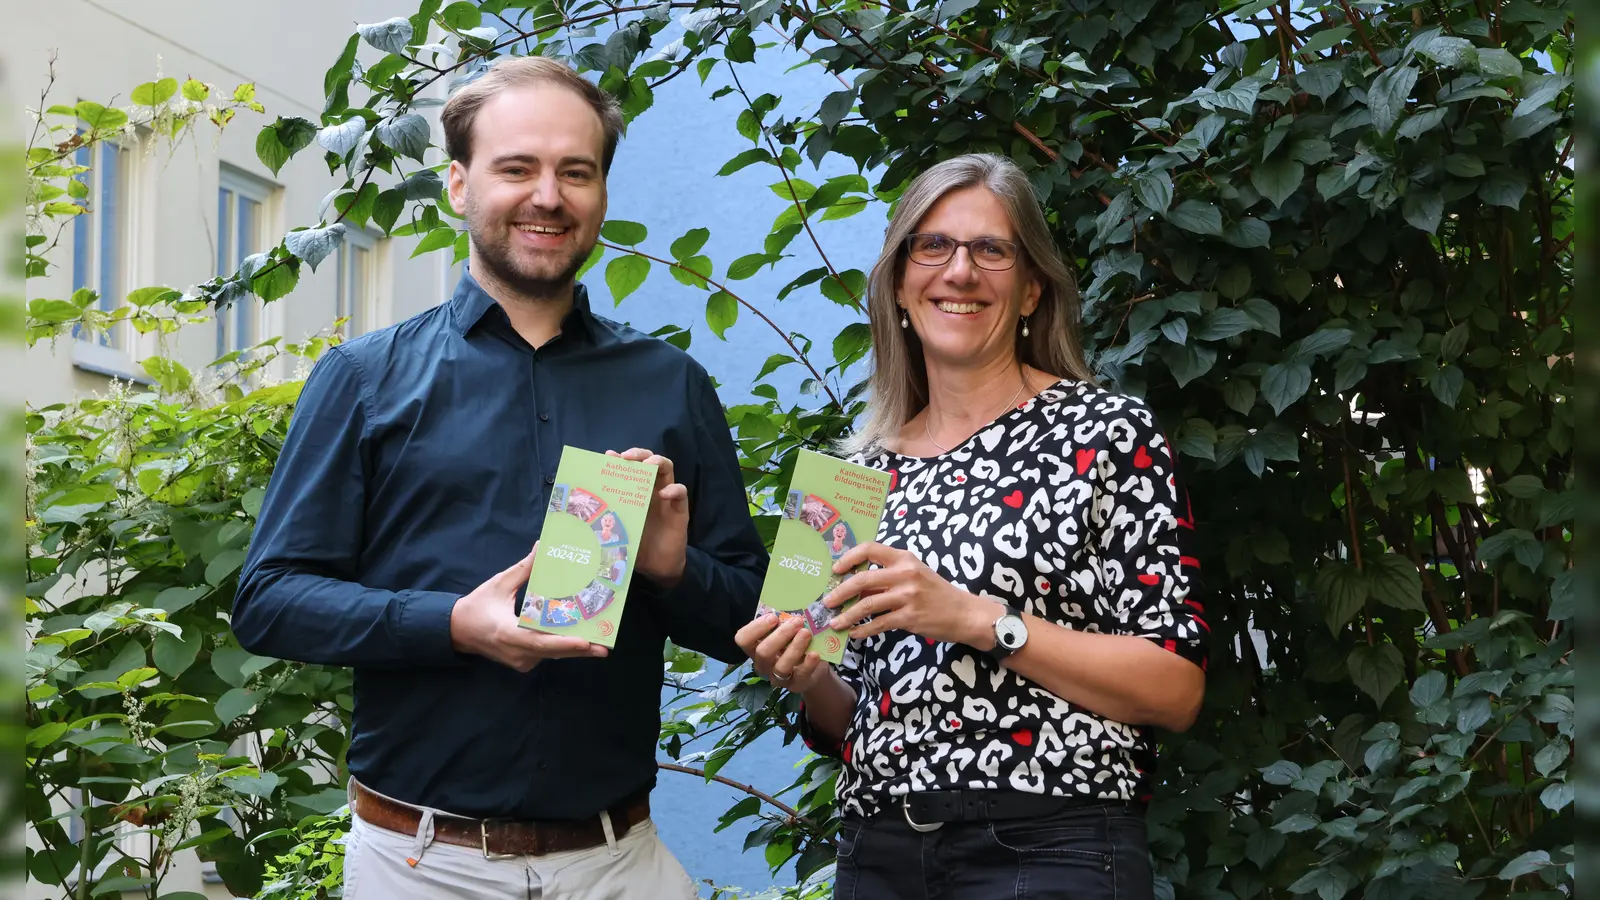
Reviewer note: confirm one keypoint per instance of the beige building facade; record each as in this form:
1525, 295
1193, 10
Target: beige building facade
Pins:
177, 214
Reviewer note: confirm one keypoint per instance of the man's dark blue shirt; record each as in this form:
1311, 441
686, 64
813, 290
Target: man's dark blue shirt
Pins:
419, 464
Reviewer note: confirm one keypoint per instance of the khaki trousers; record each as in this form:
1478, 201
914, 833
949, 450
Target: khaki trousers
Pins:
637, 865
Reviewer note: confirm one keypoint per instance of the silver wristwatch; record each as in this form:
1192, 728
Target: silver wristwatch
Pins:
1010, 633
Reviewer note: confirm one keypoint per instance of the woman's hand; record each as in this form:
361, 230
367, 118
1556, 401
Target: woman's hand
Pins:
905, 594
780, 652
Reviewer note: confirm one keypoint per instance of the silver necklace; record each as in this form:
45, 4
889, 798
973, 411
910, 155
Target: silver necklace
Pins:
928, 428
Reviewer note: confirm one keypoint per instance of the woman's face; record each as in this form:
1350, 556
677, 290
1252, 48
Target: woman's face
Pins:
838, 532
966, 315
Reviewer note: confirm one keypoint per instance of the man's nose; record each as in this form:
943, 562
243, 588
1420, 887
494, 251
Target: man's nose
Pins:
547, 191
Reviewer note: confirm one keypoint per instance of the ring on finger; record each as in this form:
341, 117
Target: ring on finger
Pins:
783, 678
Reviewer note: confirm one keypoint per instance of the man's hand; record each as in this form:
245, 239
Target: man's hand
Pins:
484, 623
666, 530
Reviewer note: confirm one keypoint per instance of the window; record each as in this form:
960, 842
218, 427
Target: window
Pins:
241, 226
100, 237
356, 294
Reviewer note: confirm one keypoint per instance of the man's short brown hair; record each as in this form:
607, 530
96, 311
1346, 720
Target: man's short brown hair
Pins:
510, 72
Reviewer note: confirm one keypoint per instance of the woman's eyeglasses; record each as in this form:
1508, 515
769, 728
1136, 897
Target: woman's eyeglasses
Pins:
992, 254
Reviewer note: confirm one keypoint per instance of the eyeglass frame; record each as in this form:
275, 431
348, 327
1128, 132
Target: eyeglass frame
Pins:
1015, 246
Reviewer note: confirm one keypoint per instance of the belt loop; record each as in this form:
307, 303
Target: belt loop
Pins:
423, 838
611, 835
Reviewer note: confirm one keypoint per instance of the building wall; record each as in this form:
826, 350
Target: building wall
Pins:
106, 47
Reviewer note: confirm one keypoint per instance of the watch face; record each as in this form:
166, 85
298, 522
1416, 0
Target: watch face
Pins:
1011, 632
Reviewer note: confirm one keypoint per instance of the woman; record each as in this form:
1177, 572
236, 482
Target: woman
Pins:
1027, 616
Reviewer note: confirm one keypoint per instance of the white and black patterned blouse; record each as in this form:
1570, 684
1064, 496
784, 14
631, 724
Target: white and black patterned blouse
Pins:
1067, 508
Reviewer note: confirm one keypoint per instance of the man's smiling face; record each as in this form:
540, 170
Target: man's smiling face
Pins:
533, 194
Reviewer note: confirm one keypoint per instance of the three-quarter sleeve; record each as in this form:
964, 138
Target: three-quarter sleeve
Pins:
1141, 522
299, 594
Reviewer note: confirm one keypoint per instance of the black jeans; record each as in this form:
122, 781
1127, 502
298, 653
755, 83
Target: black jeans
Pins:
1088, 853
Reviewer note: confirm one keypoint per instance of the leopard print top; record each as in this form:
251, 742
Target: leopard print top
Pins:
1067, 508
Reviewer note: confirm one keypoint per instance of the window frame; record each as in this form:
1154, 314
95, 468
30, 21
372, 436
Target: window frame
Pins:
230, 252
116, 351
364, 312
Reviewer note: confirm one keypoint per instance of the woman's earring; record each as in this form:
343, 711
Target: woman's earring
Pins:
905, 320
1024, 326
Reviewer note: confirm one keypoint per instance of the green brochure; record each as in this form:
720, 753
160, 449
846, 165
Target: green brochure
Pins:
587, 546
831, 506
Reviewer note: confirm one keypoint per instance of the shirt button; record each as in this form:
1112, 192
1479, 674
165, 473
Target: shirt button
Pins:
549, 479
544, 417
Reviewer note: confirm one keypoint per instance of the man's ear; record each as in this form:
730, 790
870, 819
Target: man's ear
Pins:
456, 180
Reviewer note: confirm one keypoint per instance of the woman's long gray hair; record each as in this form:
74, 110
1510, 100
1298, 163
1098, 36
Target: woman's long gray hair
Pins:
899, 382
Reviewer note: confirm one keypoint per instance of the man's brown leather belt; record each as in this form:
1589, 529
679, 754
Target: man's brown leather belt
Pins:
499, 837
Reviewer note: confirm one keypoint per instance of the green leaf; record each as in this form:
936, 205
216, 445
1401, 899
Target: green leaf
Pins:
1503, 186
748, 157
223, 565
793, 189
1526, 864
155, 93
1564, 596
406, 135
1423, 210
283, 139
1498, 62
1284, 383
1239, 394
1343, 590
313, 245
852, 344
1376, 669
340, 139
846, 288
1277, 179
693, 271
437, 239
722, 310
1523, 487
1428, 689
773, 363
1324, 341
100, 118
684, 248
1386, 99
624, 275
390, 35
1395, 582
196, 91
174, 655
1154, 190
748, 265
619, 231
234, 704
1446, 383
1222, 323
167, 372
1196, 216
1325, 39
1248, 232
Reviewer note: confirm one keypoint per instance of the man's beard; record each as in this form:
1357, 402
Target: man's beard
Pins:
532, 281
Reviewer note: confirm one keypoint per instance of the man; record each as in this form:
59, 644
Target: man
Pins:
488, 760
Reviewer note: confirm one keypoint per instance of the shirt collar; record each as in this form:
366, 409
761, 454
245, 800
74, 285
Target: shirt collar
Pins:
471, 304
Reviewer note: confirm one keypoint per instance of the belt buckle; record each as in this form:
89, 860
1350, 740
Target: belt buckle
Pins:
483, 835
905, 809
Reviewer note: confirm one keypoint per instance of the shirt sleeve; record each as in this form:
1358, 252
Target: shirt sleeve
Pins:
1141, 524
725, 561
300, 595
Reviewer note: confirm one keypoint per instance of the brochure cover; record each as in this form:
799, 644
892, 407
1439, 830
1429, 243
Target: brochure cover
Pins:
587, 546
830, 507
